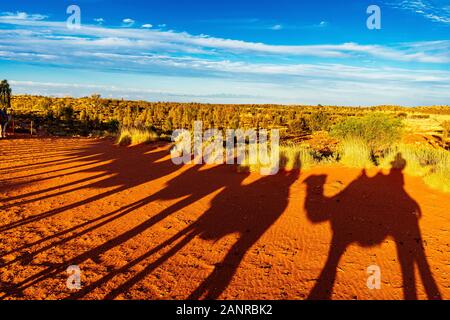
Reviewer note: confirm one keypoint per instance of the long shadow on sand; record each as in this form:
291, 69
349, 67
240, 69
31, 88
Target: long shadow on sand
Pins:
120, 173
366, 212
246, 209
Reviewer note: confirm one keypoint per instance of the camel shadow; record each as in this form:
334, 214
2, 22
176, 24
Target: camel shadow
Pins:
248, 210
113, 166
110, 170
366, 212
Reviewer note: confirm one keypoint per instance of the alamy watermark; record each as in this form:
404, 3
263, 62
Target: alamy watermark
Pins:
374, 279
374, 20
74, 20
73, 281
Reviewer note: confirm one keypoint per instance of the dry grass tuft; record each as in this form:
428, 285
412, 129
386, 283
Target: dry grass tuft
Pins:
135, 136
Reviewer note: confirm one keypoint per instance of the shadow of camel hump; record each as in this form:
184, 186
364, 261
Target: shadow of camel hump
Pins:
366, 212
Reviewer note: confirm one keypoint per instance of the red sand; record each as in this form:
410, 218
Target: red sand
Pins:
140, 227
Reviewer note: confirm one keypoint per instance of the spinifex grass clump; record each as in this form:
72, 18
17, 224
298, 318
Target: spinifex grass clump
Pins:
439, 176
355, 153
296, 156
292, 157
135, 136
430, 163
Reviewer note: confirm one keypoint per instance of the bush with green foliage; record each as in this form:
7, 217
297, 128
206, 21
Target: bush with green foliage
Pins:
299, 126
66, 113
319, 121
377, 130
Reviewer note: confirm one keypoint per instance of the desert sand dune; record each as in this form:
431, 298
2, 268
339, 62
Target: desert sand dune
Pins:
140, 227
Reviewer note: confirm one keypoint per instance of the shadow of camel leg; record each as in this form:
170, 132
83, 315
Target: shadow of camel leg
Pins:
406, 259
216, 283
429, 284
125, 287
324, 285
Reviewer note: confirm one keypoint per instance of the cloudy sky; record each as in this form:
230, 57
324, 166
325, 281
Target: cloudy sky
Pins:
234, 51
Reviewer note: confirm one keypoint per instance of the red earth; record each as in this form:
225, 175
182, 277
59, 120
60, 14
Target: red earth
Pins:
140, 227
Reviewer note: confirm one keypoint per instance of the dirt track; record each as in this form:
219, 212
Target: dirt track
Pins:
140, 227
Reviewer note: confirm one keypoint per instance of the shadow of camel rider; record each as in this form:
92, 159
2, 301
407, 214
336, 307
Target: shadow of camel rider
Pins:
366, 212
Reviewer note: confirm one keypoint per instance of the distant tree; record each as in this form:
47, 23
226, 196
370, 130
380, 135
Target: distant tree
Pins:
66, 113
235, 122
319, 121
168, 125
113, 126
84, 117
5, 94
299, 126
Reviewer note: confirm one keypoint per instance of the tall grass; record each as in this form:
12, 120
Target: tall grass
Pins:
292, 157
430, 163
296, 156
355, 153
135, 136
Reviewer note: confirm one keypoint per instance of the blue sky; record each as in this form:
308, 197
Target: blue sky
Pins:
290, 52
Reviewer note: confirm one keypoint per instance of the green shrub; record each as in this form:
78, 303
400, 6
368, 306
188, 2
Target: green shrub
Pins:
377, 130
319, 121
113, 125
66, 113
299, 126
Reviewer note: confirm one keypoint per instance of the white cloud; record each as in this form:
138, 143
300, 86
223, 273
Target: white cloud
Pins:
99, 20
277, 27
281, 68
62, 89
128, 22
430, 10
187, 43
200, 90
22, 16
147, 26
